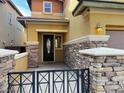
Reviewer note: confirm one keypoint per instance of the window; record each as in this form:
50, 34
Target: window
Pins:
58, 41
47, 7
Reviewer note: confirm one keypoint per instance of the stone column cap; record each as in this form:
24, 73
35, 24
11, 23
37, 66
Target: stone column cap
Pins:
103, 51
17, 56
88, 38
6, 52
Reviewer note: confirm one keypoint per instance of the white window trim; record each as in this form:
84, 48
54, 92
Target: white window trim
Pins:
44, 7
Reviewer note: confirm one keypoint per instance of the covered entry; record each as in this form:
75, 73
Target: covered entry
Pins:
46, 49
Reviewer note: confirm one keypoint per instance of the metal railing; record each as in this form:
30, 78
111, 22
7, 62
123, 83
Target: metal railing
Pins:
21, 82
52, 81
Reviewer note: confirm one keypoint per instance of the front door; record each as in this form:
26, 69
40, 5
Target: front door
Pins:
48, 48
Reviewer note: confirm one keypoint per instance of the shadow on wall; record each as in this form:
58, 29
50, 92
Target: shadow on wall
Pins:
21, 49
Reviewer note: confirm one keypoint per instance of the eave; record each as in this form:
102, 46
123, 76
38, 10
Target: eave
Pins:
14, 7
83, 4
29, 4
24, 20
2, 1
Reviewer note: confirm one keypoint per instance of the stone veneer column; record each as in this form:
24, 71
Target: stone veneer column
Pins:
7, 63
72, 56
32, 49
106, 69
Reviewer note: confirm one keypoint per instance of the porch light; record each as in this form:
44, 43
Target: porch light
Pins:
99, 28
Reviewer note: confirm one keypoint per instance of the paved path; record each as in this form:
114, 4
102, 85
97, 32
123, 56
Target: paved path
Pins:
51, 66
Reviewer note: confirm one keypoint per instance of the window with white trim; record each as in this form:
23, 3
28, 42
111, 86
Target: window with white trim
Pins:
58, 41
47, 7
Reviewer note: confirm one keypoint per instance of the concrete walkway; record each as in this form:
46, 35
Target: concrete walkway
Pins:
51, 66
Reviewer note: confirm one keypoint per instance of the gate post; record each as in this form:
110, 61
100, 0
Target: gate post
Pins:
7, 64
32, 49
106, 69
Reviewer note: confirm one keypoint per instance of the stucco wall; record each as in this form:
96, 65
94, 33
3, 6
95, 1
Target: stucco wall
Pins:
37, 9
79, 25
32, 34
21, 63
10, 30
118, 0
104, 18
86, 24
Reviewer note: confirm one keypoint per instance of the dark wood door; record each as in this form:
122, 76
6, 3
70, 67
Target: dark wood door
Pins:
48, 48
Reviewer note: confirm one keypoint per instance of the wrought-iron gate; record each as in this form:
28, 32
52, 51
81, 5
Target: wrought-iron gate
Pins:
52, 81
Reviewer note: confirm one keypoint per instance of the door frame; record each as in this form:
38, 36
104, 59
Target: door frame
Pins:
43, 49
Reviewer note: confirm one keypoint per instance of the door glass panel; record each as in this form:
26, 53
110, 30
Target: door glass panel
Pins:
48, 45
48, 48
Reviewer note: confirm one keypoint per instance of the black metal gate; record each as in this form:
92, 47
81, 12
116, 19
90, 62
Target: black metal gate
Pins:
52, 81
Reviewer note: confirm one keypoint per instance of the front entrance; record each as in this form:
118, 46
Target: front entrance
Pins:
48, 48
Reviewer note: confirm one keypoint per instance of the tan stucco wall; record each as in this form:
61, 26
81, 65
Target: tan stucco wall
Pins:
118, 0
32, 34
13, 31
21, 64
79, 25
86, 23
59, 55
104, 19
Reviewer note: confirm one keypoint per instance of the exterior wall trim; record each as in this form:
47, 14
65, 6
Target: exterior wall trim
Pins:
49, 30
6, 52
18, 56
106, 11
89, 38
32, 43
102, 51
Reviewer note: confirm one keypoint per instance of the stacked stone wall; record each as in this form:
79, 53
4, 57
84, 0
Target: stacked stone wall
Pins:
7, 64
32, 49
106, 74
73, 58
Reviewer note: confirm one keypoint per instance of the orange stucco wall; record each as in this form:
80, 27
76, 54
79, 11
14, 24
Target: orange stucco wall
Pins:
37, 9
37, 5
